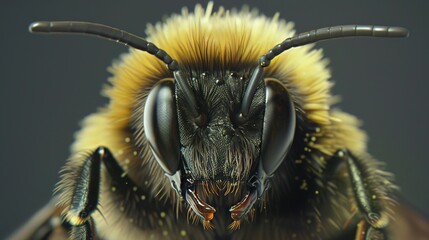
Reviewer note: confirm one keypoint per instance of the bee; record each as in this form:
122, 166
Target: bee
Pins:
229, 134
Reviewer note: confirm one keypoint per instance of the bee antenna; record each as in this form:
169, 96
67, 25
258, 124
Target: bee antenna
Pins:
330, 33
108, 32
312, 37
121, 36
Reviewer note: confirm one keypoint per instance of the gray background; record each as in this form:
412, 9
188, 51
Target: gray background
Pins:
49, 83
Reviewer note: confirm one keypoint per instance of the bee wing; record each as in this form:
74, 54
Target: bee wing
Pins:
45, 224
408, 223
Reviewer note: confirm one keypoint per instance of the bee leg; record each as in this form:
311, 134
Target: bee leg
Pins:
86, 189
374, 216
84, 231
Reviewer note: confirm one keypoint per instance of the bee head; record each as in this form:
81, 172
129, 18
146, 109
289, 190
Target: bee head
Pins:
198, 124
219, 126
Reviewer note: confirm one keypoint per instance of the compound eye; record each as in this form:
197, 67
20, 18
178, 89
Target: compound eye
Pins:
161, 127
279, 126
